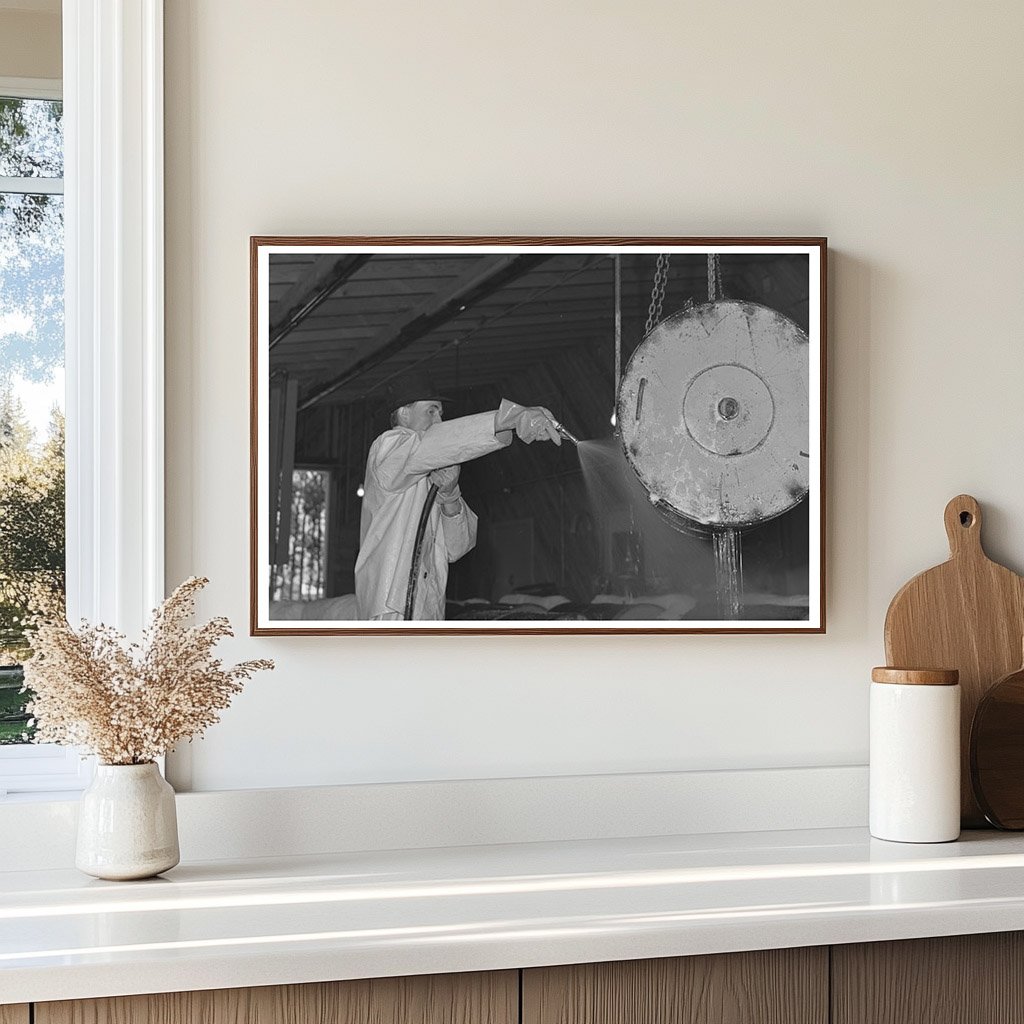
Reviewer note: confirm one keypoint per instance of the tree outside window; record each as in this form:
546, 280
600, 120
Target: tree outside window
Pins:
31, 385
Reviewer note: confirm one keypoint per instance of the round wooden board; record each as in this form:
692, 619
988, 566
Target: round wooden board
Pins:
997, 752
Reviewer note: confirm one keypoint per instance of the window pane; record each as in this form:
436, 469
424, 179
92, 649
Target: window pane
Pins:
14, 726
304, 576
31, 138
31, 430
31, 292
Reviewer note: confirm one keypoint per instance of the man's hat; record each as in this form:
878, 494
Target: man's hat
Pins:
414, 386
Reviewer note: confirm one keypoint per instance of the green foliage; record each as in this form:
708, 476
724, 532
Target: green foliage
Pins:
14, 719
31, 524
31, 548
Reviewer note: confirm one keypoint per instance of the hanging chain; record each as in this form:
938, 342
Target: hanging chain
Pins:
715, 290
657, 292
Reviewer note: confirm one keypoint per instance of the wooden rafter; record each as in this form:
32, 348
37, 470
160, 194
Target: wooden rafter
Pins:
327, 275
483, 278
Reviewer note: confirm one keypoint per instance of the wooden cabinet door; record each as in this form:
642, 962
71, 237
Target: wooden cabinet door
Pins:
14, 1014
776, 986
962, 979
482, 998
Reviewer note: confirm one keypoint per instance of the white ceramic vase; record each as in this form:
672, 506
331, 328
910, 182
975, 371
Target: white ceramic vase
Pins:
127, 825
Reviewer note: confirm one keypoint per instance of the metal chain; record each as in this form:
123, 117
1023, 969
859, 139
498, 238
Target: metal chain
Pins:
715, 290
657, 292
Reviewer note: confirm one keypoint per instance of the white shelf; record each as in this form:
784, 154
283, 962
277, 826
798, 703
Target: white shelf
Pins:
350, 915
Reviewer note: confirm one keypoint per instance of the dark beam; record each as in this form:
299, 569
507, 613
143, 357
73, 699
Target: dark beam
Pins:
308, 292
428, 317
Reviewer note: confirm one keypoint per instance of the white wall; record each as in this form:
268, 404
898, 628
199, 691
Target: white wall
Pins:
894, 129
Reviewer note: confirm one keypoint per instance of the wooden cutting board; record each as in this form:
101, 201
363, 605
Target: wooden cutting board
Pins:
967, 614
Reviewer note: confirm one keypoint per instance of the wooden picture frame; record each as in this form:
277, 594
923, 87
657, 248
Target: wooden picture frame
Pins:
693, 371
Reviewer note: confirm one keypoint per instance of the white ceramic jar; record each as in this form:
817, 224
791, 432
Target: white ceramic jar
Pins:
127, 825
915, 755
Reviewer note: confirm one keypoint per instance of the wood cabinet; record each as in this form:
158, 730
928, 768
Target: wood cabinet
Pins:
963, 979
481, 998
972, 979
775, 986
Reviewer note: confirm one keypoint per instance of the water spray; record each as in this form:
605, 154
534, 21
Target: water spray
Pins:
566, 433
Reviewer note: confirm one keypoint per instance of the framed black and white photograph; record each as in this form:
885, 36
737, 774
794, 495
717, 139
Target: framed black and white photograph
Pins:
537, 435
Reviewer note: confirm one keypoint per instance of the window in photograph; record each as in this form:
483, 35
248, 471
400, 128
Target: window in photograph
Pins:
302, 576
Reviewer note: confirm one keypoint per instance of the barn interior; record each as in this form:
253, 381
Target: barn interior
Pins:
563, 532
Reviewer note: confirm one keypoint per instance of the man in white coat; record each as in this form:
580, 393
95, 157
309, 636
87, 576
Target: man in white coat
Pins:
421, 452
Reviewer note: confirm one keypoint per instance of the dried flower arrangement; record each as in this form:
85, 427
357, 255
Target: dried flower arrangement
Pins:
129, 704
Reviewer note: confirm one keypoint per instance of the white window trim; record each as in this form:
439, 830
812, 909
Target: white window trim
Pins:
114, 328
32, 88
32, 186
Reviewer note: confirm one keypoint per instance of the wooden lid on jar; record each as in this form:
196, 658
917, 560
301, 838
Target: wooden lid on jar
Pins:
916, 676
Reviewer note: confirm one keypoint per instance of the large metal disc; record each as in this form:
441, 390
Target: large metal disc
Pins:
713, 413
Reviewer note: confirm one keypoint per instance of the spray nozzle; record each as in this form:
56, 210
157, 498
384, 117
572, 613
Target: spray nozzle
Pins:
567, 434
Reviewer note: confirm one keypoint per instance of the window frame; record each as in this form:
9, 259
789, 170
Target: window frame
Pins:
112, 90
32, 88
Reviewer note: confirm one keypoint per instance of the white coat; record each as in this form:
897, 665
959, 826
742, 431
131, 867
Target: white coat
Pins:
395, 489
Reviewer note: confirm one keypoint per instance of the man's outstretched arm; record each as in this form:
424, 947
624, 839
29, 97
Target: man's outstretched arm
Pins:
405, 457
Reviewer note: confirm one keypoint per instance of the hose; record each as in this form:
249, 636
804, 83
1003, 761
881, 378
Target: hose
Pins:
417, 552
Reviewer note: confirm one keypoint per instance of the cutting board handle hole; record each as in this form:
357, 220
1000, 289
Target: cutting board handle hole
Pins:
966, 519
